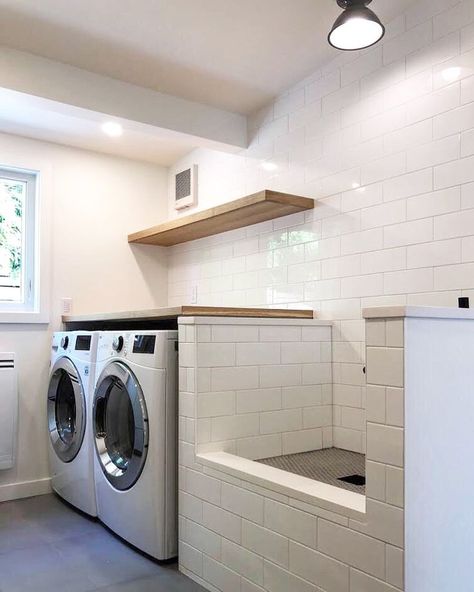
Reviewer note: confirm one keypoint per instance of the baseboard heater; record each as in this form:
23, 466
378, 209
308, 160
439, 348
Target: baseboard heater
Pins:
8, 410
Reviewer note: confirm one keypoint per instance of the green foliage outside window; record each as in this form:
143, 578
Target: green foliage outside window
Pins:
12, 195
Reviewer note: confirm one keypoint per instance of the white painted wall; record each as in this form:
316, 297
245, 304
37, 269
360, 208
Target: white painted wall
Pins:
397, 120
95, 201
439, 400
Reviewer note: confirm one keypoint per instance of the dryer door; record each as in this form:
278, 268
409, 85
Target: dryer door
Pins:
66, 410
120, 425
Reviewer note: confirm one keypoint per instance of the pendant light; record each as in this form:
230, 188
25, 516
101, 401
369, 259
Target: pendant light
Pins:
357, 27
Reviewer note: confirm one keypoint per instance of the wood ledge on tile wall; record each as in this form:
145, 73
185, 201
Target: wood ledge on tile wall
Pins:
252, 209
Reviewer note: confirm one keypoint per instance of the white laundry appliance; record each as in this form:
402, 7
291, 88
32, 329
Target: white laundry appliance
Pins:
135, 433
71, 443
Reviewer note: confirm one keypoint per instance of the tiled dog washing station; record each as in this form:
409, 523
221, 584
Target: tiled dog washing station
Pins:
262, 388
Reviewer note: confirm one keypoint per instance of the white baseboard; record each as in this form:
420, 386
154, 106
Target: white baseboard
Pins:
14, 491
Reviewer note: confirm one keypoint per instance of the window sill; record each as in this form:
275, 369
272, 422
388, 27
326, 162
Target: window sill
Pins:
19, 317
316, 493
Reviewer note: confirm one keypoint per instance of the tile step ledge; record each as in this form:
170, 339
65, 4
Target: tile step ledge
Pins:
330, 498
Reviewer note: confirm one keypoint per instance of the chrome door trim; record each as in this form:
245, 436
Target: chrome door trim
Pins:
66, 451
118, 374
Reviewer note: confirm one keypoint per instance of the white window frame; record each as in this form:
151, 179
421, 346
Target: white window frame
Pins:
35, 308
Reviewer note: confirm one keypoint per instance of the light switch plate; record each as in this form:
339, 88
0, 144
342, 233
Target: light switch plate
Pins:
66, 306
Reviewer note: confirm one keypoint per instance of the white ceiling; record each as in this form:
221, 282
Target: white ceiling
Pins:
233, 54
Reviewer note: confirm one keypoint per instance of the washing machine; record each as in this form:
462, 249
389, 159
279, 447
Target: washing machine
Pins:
69, 401
135, 434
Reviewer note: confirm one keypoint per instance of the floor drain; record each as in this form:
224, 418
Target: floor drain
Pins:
353, 479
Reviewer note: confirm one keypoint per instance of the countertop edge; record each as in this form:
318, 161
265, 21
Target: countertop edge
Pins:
429, 312
191, 311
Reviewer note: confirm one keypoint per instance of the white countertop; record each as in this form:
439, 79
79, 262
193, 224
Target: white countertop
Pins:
429, 312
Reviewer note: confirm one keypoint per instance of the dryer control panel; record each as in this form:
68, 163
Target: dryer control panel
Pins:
147, 348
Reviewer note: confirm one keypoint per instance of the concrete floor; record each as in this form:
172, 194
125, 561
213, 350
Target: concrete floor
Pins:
46, 546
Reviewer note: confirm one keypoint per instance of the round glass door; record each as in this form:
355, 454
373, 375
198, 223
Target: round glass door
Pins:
120, 425
66, 410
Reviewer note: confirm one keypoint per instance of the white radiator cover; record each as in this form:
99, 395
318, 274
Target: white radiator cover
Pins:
8, 410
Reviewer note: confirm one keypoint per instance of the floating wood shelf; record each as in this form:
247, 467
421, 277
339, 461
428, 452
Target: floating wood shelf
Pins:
259, 207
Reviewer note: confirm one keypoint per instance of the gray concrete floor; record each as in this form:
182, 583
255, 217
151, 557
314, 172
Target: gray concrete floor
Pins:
46, 546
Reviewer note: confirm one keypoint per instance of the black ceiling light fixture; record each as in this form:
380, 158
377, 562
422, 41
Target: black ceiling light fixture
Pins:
357, 27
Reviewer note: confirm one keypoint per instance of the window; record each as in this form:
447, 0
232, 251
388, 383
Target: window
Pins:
17, 241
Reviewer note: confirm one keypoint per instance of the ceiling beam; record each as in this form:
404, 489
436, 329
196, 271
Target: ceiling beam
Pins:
40, 77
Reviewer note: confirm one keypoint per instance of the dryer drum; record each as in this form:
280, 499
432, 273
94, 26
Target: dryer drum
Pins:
120, 426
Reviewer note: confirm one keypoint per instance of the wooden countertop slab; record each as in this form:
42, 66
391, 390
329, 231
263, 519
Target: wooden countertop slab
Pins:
190, 310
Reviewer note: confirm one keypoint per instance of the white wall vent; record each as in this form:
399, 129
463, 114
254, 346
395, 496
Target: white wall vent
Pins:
186, 188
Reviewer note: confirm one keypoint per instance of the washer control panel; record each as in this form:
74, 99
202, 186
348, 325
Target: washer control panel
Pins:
144, 344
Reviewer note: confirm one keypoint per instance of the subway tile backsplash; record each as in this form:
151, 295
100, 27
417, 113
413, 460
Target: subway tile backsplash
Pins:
383, 140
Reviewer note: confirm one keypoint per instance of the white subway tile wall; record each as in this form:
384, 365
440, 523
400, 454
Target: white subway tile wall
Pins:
236, 536
268, 388
384, 140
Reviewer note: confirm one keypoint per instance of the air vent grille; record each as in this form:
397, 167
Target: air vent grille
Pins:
186, 188
183, 184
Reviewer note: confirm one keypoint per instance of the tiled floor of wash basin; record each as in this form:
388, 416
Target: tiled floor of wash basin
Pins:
46, 546
327, 465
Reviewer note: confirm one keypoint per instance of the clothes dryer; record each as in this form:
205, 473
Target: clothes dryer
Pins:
135, 434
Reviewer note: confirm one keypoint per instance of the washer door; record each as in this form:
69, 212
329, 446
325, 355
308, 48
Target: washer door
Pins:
120, 425
66, 410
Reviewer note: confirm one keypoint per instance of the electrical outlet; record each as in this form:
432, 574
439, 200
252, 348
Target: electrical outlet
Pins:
194, 294
66, 306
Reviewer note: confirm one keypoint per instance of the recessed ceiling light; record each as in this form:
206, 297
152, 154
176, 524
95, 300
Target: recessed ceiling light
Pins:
451, 74
357, 27
269, 166
112, 129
